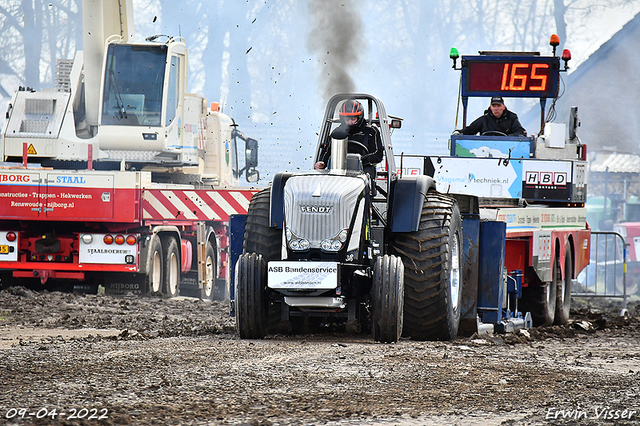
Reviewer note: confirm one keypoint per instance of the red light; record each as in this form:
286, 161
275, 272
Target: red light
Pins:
131, 240
11, 236
108, 239
119, 240
566, 55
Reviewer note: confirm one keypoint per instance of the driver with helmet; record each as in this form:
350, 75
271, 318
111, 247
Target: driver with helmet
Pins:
496, 119
368, 141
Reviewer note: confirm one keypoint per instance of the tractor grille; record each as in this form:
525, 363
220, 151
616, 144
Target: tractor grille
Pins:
320, 206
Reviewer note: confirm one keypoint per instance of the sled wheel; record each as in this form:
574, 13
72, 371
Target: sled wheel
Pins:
563, 290
251, 301
432, 258
632, 282
388, 299
171, 267
540, 300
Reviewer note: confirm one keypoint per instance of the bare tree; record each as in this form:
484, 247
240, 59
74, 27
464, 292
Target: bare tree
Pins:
34, 34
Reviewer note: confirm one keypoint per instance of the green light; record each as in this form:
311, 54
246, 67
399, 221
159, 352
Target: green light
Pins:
453, 53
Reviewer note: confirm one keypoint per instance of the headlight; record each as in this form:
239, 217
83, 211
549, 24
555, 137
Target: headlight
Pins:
296, 243
335, 244
299, 244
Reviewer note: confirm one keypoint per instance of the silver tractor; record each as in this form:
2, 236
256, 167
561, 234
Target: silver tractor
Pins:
334, 247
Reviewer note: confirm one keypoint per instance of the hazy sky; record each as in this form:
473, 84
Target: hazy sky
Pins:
372, 49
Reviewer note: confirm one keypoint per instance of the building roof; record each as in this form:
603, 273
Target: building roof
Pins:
614, 162
606, 89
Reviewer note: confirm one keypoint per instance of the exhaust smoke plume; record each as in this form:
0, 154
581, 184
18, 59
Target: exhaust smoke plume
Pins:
336, 38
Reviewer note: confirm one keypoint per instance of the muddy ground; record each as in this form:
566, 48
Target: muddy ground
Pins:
96, 359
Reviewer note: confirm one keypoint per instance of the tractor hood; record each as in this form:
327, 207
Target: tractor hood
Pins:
319, 207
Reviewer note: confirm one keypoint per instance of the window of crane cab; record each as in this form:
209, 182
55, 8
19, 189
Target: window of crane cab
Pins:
173, 90
133, 84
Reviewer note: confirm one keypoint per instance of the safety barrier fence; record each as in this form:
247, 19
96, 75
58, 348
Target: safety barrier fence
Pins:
606, 274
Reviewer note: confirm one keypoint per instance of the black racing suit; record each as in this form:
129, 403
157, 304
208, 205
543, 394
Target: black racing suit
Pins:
367, 136
507, 123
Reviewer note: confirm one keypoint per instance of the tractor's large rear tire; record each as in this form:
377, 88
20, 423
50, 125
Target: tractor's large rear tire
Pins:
432, 258
388, 299
563, 290
260, 238
251, 300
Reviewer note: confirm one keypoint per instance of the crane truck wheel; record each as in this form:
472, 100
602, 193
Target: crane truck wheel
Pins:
171, 267
260, 238
155, 271
432, 258
251, 302
563, 290
210, 290
388, 299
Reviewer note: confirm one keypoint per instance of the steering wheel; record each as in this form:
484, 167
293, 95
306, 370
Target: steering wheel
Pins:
493, 133
359, 146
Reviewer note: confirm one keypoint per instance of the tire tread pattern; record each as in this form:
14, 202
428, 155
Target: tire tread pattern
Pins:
250, 295
388, 299
425, 254
260, 238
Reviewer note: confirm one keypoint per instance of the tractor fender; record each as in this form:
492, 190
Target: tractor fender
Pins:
276, 210
408, 197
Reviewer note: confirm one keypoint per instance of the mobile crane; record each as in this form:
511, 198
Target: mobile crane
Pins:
119, 177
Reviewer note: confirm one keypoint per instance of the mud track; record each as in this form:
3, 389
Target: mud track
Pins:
157, 361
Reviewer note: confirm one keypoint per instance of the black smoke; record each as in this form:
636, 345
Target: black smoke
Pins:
336, 37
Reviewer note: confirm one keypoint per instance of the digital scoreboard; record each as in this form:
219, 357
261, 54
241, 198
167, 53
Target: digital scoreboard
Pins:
510, 76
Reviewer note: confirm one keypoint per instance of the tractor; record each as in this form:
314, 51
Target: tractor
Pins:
340, 246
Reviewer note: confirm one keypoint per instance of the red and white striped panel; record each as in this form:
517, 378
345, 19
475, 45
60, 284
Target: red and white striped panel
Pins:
200, 204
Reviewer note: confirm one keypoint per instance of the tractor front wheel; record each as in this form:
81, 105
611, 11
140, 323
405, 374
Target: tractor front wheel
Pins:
251, 301
388, 299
